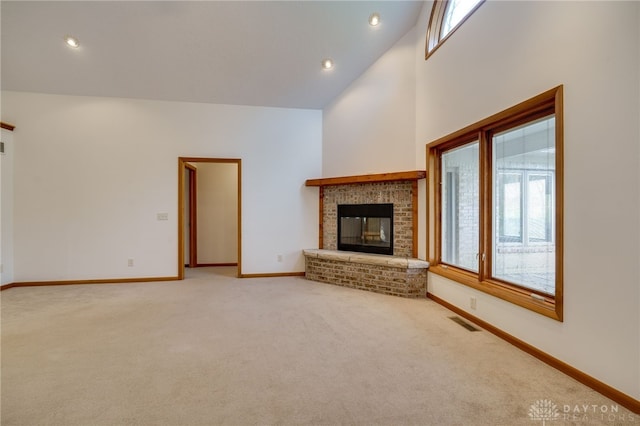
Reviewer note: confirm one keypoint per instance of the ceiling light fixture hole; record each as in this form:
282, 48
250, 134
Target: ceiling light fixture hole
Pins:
327, 63
374, 19
72, 42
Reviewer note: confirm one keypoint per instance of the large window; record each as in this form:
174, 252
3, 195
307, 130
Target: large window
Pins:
522, 205
495, 215
446, 17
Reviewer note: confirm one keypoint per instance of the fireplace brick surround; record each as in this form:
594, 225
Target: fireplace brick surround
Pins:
400, 274
397, 193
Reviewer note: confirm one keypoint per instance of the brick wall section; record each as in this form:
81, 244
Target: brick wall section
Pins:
409, 282
398, 193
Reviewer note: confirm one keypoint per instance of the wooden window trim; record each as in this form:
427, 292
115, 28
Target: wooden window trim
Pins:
549, 102
435, 26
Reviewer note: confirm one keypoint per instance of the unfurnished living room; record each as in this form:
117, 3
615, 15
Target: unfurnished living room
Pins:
320, 212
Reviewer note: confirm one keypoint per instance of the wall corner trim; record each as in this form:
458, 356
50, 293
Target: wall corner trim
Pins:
81, 282
272, 275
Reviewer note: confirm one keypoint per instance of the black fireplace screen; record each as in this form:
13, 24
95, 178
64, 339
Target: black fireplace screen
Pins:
366, 228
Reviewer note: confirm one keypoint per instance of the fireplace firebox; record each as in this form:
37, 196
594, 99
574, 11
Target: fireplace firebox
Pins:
366, 228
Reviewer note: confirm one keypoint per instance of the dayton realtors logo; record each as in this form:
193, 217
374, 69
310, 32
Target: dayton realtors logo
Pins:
544, 410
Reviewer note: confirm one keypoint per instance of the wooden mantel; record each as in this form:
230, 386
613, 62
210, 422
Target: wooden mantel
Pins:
380, 177
7, 126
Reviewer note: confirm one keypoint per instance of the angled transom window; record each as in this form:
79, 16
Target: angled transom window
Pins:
446, 17
495, 196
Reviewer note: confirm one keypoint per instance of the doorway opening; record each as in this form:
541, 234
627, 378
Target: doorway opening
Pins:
198, 240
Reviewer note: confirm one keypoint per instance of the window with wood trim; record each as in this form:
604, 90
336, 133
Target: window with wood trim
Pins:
446, 17
495, 204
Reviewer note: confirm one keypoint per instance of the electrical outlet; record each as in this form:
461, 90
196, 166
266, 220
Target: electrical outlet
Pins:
280, 258
162, 216
472, 302
130, 262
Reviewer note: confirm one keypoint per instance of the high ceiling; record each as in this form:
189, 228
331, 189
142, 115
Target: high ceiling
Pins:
265, 53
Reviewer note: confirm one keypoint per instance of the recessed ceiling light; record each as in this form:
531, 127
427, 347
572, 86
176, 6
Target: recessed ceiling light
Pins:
374, 19
327, 63
72, 42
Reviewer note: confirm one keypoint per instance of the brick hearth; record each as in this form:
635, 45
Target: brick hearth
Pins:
392, 275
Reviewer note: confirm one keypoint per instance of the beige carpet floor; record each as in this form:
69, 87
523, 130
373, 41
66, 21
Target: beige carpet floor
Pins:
213, 349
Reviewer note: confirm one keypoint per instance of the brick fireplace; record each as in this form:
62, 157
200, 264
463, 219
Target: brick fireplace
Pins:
400, 274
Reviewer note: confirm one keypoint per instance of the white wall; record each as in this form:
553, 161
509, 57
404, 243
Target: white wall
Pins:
370, 128
6, 215
637, 26
217, 203
506, 53
591, 48
92, 173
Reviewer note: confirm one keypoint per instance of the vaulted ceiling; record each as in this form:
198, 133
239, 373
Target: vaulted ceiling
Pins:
265, 53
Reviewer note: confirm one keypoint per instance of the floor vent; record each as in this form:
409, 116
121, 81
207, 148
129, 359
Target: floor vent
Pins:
464, 323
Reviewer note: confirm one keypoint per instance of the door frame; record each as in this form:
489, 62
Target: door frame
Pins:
193, 214
182, 167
